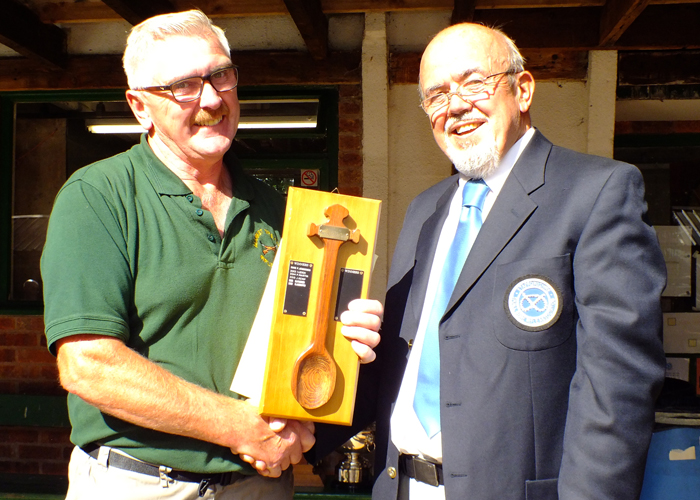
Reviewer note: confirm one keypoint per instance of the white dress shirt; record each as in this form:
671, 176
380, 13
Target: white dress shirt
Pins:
407, 433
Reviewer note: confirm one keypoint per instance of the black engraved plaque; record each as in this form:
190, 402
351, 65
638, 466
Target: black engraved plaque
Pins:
349, 288
296, 296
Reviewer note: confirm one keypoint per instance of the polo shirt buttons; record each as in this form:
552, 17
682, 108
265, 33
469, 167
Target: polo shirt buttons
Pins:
211, 238
199, 211
190, 198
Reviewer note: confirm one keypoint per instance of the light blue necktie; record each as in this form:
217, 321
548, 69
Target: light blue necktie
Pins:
426, 402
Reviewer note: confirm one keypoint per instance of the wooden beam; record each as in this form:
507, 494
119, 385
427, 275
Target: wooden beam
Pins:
135, 11
463, 11
663, 27
616, 17
547, 28
312, 25
298, 68
87, 12
673, 67
76, 12
23, 32
404, 67
257, 68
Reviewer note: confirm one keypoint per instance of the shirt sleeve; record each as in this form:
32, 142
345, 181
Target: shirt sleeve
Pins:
85, 267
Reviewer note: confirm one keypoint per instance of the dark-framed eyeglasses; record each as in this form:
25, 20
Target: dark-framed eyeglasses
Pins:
190, 89
468, 91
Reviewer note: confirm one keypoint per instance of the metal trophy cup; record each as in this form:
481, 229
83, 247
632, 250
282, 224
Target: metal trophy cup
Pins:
355, 470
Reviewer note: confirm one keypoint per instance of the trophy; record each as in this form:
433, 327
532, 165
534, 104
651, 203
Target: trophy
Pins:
355, 470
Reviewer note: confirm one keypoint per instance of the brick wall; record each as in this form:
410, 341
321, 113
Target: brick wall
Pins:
26, 367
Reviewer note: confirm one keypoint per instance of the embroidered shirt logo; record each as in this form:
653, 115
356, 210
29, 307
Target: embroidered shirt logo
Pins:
533, 303
267, 243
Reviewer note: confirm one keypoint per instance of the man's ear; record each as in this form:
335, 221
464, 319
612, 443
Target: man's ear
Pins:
139, 108
525, 88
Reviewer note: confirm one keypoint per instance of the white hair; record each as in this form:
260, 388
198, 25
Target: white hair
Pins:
139, 44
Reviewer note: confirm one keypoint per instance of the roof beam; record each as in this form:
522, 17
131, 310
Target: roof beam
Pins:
463, 11
616, 17
312, 25
135, 11
23, 32
257, 68
404, 67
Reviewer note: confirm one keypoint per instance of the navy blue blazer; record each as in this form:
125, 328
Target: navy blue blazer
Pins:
563, 409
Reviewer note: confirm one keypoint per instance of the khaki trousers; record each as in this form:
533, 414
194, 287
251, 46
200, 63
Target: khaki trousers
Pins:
89, 480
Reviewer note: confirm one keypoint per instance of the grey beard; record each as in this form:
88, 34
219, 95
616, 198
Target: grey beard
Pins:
476, 162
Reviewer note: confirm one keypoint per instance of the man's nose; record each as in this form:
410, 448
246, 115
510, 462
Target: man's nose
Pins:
457, 104
210, 98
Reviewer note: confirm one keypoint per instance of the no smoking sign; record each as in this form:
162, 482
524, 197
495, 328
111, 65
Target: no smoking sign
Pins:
309, 177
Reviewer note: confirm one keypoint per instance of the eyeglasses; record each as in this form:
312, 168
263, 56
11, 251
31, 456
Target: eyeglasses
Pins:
467, 92
190, 89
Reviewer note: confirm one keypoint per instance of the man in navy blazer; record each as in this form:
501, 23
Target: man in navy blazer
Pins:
551, 354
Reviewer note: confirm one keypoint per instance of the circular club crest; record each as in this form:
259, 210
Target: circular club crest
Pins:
533, 303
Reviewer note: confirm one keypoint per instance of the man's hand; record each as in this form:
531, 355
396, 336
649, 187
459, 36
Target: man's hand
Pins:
297, 437
361, 323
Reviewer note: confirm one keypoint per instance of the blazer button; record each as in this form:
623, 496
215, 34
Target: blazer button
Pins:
392, 472
410, 343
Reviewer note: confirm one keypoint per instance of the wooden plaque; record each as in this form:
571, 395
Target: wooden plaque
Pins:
297, 297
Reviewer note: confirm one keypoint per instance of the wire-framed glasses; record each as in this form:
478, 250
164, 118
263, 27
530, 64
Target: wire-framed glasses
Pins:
468, 91
190, 89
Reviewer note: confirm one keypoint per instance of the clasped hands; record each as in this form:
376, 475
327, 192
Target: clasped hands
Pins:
286, 440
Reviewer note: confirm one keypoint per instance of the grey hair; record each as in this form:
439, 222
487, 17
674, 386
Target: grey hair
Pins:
193, 23
514, 59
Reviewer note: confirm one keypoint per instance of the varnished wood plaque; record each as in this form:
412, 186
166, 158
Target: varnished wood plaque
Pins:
297, 299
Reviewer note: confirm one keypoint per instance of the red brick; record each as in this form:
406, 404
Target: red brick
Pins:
350, 142
8, 387
8, 355
35, 355
19, 339
348, 159
25, 467
55, 436
348, 178
30, 323
350, 125
55, 468
350, 90
40, 452
351, 191
14, 435
350, 107
7, 323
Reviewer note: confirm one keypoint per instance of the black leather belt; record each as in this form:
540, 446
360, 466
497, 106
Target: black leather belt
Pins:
421, 470
120, 461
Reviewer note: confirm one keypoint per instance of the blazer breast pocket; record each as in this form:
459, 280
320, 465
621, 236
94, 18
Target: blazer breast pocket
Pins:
533, 303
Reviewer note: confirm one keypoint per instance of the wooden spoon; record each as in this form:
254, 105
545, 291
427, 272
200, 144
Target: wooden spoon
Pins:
313, 378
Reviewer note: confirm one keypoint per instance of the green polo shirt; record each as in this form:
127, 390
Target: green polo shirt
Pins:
130, 253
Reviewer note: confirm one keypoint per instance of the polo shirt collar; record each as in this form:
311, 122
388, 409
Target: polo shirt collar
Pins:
166, 182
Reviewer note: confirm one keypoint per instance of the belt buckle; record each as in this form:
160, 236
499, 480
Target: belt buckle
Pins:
426, 472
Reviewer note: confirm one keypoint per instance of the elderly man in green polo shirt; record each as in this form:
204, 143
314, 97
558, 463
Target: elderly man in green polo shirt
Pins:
152, 280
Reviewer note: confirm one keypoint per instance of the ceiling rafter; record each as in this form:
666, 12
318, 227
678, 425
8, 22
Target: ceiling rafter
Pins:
463, 11
616, 17
312, 25
135, 11
23, 32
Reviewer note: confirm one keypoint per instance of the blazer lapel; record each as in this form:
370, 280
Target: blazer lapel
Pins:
512, 208
426, 246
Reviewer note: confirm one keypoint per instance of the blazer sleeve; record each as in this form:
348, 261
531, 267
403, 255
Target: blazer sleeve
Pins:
619, 274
